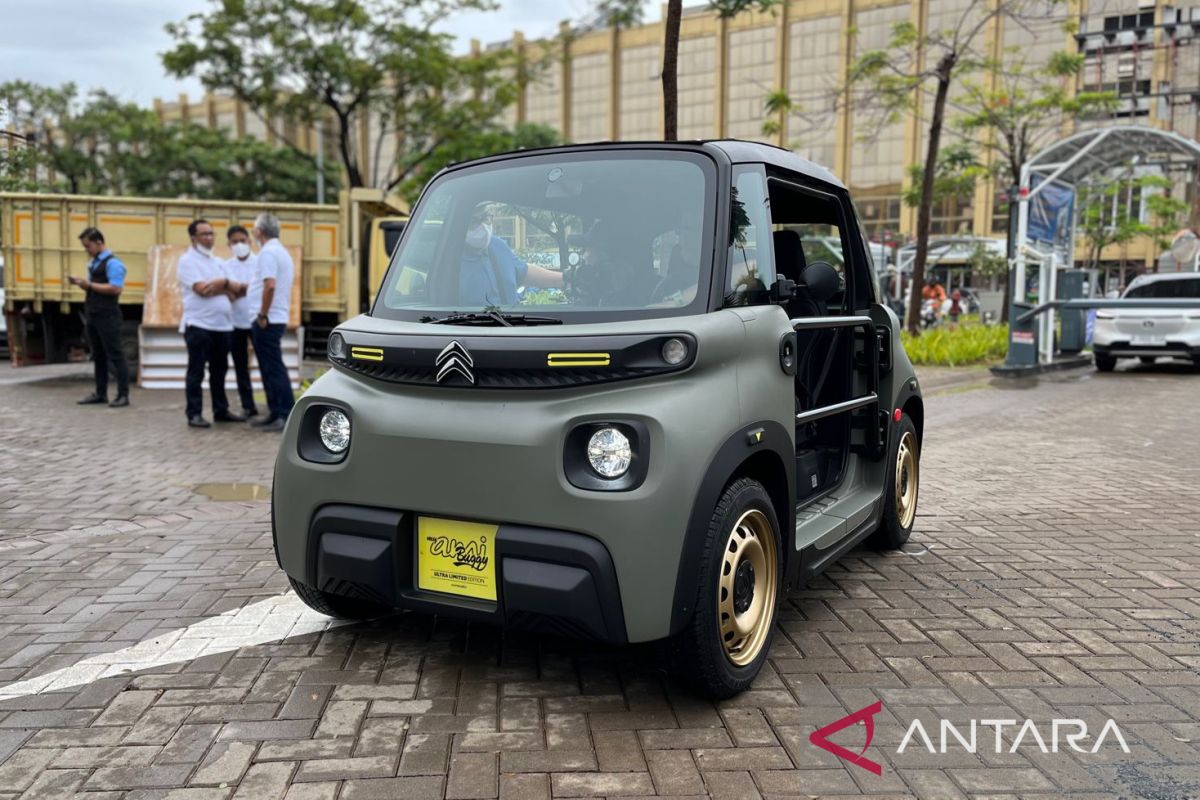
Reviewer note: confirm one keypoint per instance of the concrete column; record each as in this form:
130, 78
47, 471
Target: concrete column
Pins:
985, 190
845, 131
519, 47
914, 126
614, 83
565, 96
782, 26
721, 111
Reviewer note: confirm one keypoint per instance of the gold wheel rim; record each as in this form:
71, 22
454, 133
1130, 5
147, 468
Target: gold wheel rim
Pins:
746, 588
907, 479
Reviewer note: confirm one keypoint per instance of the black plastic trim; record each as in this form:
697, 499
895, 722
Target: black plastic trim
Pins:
729, 459
579, 471
513, 362
565, 582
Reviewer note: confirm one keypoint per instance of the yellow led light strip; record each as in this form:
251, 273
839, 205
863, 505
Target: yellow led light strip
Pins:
367, 353
578, 360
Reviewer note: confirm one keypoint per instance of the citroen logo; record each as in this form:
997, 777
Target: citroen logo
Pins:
455, 358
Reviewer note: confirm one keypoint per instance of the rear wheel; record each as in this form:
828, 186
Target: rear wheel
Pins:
336, 605
1104, 363
903, 482
725, 644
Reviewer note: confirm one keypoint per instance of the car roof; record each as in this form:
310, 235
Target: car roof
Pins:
738, 151
1155, 277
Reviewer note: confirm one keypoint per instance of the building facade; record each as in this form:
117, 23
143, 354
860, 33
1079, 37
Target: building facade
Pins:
604, 84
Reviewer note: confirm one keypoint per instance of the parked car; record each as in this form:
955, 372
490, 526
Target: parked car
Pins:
706, 418
1148, 333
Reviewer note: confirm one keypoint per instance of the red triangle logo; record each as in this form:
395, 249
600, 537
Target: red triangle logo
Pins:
820, 737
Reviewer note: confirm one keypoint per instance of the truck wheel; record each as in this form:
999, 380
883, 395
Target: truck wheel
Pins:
903, 481
337, 606
1104, 363
725, 644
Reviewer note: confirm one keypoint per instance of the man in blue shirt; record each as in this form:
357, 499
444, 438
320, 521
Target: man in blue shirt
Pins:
102, 288
491, 271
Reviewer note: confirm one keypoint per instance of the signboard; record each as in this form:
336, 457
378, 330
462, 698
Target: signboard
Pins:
1051, 213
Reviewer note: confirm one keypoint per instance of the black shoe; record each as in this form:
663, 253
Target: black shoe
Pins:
121, 401
93, 399
267, 420
199, 422
228, 416
273, 426
249, 412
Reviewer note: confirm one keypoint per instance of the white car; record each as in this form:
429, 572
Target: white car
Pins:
1148, 333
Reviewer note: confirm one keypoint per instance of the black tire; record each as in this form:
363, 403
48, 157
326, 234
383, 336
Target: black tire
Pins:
336, 605
897, 523
699, 652
1104, 363
1147, 359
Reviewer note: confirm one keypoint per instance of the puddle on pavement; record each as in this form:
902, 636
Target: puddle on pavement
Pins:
233, 491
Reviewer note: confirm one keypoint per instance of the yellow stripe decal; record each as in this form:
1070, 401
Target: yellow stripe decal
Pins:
578, 360
367, 353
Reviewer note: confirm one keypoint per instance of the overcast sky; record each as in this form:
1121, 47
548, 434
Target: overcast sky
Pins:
115, 44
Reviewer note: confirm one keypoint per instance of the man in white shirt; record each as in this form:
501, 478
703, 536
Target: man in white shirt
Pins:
242, 268
275, 275
207, 324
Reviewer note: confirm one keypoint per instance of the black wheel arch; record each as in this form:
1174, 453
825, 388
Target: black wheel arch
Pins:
763, 451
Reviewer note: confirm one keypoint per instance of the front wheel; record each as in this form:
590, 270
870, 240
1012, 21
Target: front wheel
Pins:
336, 605
903, 480
1147, 359
1104, 363
725, 644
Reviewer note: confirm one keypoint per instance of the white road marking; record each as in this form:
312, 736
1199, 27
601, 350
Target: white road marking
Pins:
274, 619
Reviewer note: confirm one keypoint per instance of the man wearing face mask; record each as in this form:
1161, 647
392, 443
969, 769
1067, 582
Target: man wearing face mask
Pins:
491, 271
241, 268
207, 324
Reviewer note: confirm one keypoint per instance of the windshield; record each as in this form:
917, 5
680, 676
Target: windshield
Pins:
578, 237
1163, 290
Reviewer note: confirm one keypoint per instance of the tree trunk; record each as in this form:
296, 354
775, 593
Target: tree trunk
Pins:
346, 133
670, 72
925, 210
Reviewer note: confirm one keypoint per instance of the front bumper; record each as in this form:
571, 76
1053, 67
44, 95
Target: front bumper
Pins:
1124, 349
547, 580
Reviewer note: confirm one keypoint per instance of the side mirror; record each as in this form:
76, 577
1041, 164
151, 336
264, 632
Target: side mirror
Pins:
820, 280
782, 290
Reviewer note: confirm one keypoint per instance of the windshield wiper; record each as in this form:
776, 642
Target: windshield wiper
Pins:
491, 318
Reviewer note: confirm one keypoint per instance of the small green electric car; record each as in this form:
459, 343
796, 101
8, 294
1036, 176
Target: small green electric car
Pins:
628, 392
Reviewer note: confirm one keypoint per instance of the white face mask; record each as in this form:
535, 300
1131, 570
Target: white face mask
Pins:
479, 236
241, 250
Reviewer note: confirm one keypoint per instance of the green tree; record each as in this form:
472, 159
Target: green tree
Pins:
1125, 208
626, 13
476, 144
18, 163
892, 81
1020, 109
97, 144
371, 63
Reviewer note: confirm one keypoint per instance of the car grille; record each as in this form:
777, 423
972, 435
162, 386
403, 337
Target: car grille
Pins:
503, 378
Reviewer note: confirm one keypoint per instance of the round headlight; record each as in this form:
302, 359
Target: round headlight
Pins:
335, 430
674, 351
609, 452
336, 345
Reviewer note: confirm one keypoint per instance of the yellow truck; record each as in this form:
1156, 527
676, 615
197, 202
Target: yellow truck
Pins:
344, 250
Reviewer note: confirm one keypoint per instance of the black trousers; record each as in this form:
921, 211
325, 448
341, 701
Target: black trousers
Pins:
211, 348
104, 339
241, 366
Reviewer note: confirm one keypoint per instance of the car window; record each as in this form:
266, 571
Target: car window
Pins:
561, 234
1163, 290
751, 263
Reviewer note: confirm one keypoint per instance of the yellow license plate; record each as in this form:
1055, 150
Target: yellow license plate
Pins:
456, 557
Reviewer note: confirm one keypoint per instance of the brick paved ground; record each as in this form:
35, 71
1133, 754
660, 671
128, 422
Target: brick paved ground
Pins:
1054, 574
